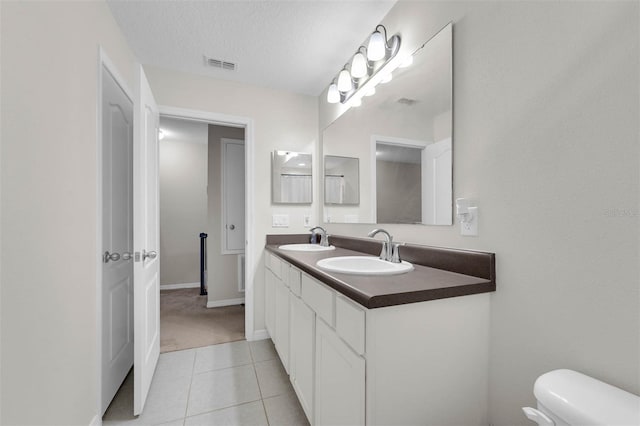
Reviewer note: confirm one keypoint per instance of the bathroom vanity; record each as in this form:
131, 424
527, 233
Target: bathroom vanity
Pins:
379, 350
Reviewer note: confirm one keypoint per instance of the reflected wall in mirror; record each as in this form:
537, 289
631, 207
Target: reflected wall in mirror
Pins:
291, 178
402, 137
341, 180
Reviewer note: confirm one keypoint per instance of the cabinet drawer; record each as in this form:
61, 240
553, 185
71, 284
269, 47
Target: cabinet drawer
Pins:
350, 323
295, 280
320, 298
274, 264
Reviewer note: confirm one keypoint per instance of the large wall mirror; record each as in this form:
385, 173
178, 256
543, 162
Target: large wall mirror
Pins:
291, 178
402, 140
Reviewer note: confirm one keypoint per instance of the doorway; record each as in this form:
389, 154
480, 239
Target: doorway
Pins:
201, 193
145, 282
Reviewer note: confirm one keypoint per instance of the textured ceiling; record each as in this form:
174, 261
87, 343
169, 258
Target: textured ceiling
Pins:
296, 46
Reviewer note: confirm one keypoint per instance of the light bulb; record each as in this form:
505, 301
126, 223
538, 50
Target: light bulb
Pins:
344, 81
370, 91
387, 78
376, 48
359, 66
406, 62
333, 96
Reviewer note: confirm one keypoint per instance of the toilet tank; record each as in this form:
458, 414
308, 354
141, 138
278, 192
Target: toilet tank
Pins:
582, 400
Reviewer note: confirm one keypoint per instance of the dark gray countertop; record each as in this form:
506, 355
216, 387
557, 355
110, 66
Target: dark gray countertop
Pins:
422, 284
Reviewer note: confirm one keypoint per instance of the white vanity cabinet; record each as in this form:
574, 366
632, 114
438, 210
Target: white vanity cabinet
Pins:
416, 363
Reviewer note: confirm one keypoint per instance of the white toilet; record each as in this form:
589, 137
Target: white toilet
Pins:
569, 398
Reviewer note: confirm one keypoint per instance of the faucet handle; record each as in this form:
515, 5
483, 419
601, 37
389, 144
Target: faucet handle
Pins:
395, 253
384, 251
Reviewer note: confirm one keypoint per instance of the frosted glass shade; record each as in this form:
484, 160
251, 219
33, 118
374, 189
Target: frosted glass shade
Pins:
344, 81
376, 48
356, 102
359, 66
333, 96
370, 91
387, 78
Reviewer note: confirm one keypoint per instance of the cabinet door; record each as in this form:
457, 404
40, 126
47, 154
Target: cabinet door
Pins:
302, 353
270, 303
282, 322
340, 386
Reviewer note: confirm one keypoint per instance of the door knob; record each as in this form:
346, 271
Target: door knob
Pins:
149, 254
232, 227
110, 256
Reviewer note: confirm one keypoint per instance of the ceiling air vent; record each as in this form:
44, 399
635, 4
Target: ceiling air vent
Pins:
218, 63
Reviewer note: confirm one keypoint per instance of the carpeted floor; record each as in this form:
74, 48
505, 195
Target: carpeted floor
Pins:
185, 321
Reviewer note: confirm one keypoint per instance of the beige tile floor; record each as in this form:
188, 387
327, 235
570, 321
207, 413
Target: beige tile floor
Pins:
238, 383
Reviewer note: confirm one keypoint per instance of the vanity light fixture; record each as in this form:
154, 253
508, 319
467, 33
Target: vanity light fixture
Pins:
160, 134
359, 66
345, 83
366, 68
377, 47
333, 95
387, 78
406, 62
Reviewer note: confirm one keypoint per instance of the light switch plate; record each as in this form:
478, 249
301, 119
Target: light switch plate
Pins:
280, 221
306, 221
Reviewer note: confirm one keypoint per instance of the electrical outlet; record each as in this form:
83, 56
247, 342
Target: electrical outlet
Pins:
469, 227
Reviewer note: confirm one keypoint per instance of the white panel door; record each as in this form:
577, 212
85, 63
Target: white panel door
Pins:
270, 303
437, 175
282, 322
233, 195
117, 237
340, 381
302, 361
146, 243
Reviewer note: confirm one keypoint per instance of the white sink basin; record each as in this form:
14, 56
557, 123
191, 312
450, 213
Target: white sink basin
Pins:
305, 247
363, 265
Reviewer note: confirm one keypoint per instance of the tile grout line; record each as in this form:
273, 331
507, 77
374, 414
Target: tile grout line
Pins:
193, 367
264, 408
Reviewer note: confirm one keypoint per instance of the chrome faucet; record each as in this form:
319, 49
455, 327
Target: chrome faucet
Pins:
324, 242
390, 251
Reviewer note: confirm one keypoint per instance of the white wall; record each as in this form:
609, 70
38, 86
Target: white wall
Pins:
183, 205
546, 138
281, 120
49, 178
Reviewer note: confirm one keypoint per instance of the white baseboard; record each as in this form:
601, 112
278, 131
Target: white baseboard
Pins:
259, 335
178, 286
226, 302
96, 421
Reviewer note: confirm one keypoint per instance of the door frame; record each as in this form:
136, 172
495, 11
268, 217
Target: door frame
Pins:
103, 61
249, 164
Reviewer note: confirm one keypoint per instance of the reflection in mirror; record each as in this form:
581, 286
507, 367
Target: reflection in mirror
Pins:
291, 178
408, 124
341, 180
398, 180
